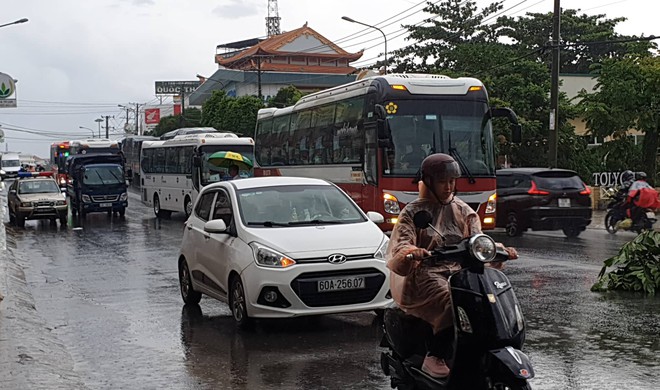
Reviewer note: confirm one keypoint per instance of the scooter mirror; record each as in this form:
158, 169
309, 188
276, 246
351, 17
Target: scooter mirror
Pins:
422, 219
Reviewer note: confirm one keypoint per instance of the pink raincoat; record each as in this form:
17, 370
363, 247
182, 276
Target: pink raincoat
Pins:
421, 290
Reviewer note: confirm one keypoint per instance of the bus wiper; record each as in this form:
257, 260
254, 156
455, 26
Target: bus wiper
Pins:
454, 153
316, 222
267, 224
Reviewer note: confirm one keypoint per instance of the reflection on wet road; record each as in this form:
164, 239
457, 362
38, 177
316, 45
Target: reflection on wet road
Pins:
108, 290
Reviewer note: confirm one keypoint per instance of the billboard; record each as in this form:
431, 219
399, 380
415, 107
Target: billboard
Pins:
175, 87
7, 91
152, 116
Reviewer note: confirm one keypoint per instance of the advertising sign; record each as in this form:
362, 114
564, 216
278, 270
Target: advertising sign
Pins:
175, 87
7, 91
152, 116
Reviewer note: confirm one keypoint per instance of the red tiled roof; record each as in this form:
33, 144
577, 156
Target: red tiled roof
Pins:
272, 45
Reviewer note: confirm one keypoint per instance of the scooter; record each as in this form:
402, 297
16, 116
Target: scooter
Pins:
488, 324
616, 212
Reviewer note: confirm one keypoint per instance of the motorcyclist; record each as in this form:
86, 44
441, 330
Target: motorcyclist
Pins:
641, 196
420, 289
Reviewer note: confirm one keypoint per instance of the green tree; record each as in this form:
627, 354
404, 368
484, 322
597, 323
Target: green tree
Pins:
236, 115
192, 118
626, 97
285, 97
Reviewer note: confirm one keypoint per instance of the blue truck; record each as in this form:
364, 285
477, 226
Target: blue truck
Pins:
97, 184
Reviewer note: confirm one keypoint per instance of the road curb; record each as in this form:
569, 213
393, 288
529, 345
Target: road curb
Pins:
31, 357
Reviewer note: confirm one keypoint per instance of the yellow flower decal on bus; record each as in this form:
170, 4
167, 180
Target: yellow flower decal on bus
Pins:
391, 108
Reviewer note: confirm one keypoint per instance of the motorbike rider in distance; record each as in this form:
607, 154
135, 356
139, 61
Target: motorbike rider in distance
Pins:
641, 196
422, 289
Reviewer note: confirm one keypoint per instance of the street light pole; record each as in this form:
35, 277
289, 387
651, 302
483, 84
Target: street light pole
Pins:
98, 121
16, 22
83, 127
346, 18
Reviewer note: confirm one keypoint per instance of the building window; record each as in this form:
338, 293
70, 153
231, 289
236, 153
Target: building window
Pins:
298, 60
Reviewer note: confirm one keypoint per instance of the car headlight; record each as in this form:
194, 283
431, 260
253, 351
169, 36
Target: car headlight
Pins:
482, 247
123, 196
268, 257
26, 204
391, 204
382, 249
85, 198
61, 203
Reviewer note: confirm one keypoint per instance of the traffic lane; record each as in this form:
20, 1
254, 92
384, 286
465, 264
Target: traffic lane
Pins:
575, 338
108, 289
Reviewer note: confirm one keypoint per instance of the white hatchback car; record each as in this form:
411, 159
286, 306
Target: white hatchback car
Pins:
283, 247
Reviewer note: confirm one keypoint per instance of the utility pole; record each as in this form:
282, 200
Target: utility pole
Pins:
259, 78
107, 127
553, 138
126, 126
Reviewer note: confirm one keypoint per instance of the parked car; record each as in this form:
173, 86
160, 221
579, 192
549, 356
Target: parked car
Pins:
283, 247
36, 197
542, 199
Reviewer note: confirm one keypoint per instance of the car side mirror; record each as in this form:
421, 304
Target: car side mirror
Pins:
215, 226
13, 192
375, 217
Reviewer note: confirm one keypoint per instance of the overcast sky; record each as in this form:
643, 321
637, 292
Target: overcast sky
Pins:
76, 60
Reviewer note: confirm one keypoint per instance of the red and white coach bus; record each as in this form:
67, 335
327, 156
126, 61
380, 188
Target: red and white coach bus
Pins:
370, 136
59, 151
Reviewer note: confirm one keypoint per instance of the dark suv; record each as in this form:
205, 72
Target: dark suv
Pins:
542, 199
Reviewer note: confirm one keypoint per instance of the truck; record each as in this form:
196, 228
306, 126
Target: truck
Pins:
97, 184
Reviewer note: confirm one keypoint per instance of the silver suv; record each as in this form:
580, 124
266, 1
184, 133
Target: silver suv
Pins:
36, 198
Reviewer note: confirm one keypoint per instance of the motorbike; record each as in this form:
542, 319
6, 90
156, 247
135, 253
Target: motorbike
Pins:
489, 327
617, 212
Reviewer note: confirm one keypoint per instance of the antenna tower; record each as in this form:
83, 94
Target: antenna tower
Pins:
273, 19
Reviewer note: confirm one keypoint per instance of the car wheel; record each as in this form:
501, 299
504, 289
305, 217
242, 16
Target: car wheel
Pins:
63, 221
610, 222
187, 206
189, 295
571, 231
20, 221
157, 210
513, 228
238, 305
53, 221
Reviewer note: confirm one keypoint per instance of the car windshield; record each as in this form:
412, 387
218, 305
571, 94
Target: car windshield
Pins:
37, 187
558, 181
103, 175
457, 127
296, 205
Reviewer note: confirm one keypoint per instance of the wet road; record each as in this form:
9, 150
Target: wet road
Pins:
108, 291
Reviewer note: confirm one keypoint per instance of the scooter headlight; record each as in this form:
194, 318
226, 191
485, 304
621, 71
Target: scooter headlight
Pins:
482, 248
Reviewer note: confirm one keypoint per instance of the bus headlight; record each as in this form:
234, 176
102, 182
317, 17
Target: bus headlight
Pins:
482, 247
491, 205
391, 204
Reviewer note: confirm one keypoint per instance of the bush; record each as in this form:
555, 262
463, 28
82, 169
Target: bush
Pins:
637, 266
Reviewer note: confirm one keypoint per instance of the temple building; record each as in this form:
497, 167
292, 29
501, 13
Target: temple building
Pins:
261, 67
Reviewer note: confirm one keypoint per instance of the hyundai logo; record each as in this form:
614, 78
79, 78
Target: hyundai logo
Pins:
337, 259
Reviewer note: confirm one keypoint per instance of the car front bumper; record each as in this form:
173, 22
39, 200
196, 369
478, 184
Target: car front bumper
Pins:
102, 206
298, 286
555, 218
43, 212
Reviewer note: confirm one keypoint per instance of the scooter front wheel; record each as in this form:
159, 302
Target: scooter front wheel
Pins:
610, 222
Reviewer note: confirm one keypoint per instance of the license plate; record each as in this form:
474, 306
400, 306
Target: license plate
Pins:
340, 284
650, 214
564, 202
105, 205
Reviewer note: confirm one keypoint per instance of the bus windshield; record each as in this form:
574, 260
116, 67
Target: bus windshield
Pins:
423, 127
212, 174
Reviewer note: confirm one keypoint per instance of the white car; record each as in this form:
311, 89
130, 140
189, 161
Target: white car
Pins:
283, 247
